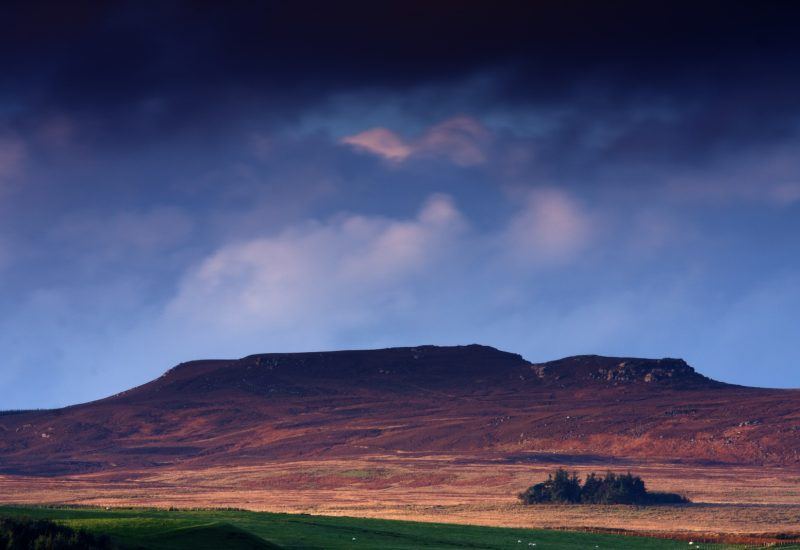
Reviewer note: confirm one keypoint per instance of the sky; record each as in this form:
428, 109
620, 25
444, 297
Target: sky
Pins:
185, 180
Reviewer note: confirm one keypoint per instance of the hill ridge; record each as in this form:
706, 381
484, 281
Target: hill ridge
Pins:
456, 362
420, 400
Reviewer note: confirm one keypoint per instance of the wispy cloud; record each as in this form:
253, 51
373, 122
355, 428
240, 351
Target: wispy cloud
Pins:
150, 231
551, 227
462, 140
771, 177
381, 142
12, 156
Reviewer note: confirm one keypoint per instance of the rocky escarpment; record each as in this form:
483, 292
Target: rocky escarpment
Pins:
459, 368
622, 370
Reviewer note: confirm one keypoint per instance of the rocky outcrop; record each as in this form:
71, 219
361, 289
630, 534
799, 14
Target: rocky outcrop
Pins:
621, 371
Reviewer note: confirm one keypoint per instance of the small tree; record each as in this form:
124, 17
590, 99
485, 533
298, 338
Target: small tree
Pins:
536, 494
614, 489
590, 493
565, 487
560, 488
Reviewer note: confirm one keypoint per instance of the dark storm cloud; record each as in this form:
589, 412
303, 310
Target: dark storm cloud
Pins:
152, 69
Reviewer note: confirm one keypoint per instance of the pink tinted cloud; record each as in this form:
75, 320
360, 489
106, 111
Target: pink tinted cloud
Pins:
550, 228
462, 140
381, 142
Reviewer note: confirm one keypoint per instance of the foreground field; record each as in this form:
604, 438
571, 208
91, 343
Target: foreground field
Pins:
239, 530
730, 503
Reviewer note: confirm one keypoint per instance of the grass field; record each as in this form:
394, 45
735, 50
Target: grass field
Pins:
739, 503
239, 530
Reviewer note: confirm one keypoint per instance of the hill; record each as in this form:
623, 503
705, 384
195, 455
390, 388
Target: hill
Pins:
423, 400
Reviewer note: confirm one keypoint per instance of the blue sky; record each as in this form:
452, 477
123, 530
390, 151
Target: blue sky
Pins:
539, 181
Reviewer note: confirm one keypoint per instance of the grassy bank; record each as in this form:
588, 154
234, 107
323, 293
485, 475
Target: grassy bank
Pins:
239, 530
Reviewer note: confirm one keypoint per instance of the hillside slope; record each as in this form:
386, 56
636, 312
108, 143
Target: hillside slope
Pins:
421, 400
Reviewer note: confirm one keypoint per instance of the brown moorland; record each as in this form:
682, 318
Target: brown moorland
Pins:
427, 433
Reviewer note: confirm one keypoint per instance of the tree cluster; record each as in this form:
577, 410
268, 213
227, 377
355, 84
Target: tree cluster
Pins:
41, 534
561, 487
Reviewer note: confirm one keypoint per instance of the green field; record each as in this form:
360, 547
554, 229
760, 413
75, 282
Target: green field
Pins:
239, 530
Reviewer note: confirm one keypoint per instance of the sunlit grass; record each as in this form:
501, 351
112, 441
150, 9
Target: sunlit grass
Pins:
201, 529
